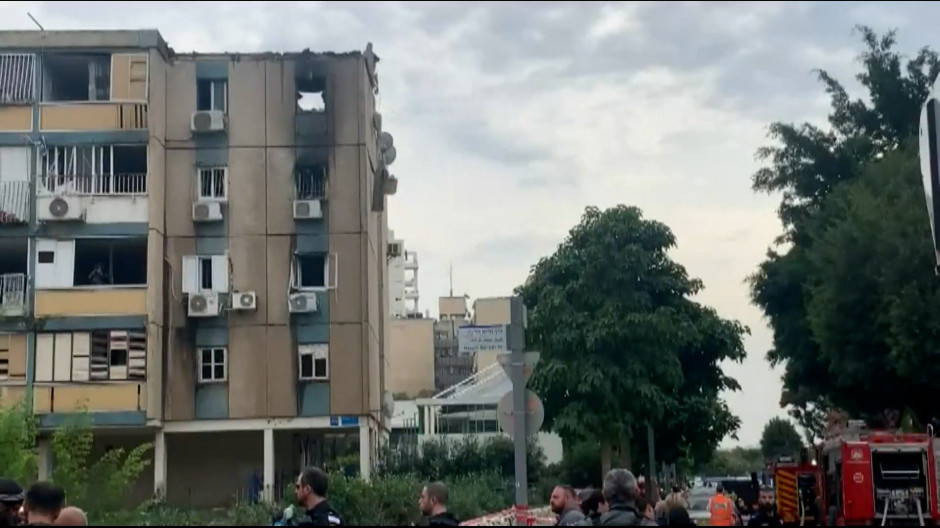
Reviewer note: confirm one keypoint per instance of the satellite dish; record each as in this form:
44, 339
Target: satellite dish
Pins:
386, 141
389, 155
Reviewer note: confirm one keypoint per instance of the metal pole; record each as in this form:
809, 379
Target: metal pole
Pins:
652, 465
517, 361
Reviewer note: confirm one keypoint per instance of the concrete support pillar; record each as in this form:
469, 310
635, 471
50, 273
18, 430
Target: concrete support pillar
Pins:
365, 450
45, 459
159, 465
267, 493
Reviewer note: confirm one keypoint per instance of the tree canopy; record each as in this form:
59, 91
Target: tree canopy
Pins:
841, 294
780, 438
622, 343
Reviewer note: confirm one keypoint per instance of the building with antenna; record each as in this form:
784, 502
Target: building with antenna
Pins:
193, 249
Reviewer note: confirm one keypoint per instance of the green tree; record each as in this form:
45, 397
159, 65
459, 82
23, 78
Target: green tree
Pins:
622, 344
17, 443
806, 166
780, 438
734, 462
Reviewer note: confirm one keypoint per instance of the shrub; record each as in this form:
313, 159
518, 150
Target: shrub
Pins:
17, 441
437, 458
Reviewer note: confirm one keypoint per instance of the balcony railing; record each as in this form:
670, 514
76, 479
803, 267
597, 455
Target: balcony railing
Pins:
310, 183
14, 202
12, 294
97, 184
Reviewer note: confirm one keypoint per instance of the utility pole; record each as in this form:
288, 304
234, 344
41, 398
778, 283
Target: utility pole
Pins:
651, 471
516, 343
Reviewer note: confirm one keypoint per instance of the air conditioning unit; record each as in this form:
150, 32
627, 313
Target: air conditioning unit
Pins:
207, 212
207, 121
60, 209
302, 302
246, 300
307, 210
203, 305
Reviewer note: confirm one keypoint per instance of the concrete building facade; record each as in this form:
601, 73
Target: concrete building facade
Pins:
193, 250
402, 279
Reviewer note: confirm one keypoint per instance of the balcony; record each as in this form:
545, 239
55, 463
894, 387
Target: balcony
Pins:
310, 182
14, 202
132, 184
411, 260
12, 295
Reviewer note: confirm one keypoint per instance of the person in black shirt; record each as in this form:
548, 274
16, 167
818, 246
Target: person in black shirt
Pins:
11, 499
43, 503
311, 488
433, 504
767, 512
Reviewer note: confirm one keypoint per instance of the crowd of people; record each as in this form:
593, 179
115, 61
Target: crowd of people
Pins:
43, 504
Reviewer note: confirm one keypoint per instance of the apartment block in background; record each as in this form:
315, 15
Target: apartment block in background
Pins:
402, 279
193, 250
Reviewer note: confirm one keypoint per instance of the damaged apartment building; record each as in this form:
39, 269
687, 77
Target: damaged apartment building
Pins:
193, 251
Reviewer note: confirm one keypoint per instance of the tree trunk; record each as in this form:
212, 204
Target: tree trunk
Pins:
605, 457
626, 455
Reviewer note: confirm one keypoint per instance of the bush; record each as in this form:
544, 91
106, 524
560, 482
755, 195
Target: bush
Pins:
438, 458
17, 442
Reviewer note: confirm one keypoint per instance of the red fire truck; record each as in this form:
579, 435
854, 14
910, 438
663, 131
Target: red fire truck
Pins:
869, 477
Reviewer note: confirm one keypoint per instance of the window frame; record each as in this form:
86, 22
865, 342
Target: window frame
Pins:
209, 170
212, 102
296, 273
212, 364
319, 352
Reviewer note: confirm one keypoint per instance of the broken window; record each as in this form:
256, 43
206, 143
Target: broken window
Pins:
311, 92
13, 263
16, 78
314, 361
110, 262
309, 271
212, 94
96, 169
310, 182
212, 183
76, 77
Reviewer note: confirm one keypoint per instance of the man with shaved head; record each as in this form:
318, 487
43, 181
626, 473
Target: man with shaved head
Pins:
433, 504
71, 516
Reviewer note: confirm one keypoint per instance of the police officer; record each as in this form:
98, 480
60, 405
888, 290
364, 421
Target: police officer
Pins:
311, 488
11, 500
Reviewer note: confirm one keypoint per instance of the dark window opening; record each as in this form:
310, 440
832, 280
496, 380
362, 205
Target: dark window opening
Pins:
14, 255
205, 273
311, 271
118, 357
212, 94
130, 159
310, 182
76, 77
311, 92
306, 366
110, 261
319, 368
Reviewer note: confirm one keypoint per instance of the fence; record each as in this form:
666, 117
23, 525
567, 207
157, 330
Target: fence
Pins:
95, 184
12, 291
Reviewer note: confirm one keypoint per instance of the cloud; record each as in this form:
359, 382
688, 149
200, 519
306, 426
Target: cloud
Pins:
510, 118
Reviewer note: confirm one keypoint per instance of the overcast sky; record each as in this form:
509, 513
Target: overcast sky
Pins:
510, 118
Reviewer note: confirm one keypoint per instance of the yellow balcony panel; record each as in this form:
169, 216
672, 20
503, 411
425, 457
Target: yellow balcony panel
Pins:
42, 400
16, 118
10, 396
93, 116
104, 397
107, 301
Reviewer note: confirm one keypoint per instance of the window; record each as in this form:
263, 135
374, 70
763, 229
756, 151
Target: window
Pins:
311, 92
76, 77
314, 362
212, 94
205, 273
110, 262
100, 355
16, 78
309, 272
95, 169
212, 183
310, 182
213, 365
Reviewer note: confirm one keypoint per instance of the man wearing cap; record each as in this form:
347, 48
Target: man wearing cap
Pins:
11, 500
